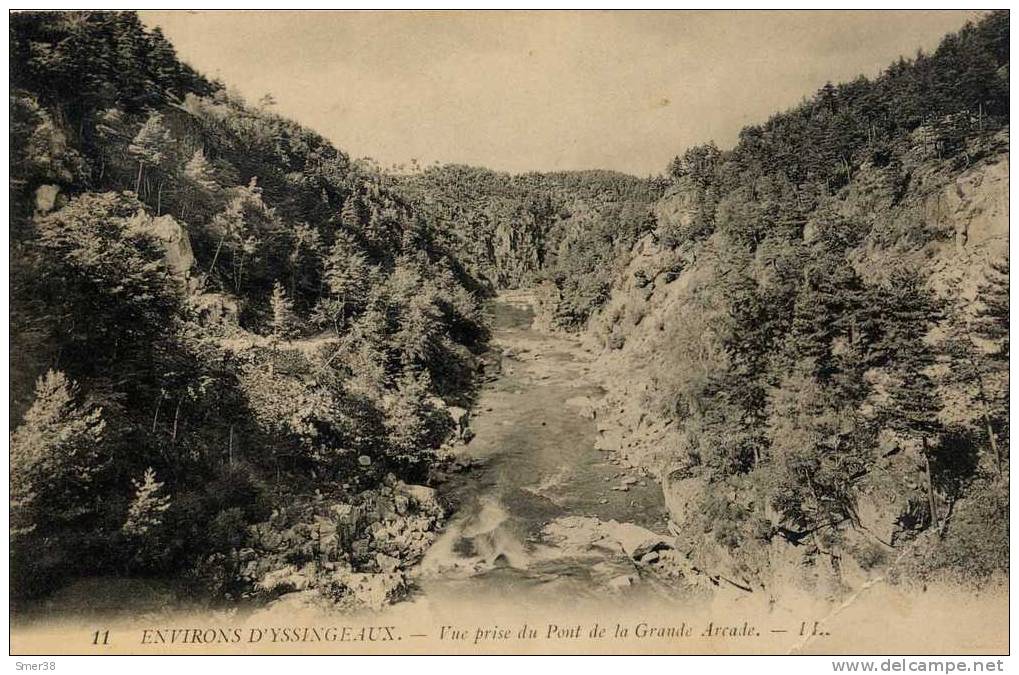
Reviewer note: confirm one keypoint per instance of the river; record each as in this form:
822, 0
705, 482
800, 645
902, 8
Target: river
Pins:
537, 466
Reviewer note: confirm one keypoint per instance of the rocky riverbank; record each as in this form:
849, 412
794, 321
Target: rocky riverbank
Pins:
549, 503
343, 555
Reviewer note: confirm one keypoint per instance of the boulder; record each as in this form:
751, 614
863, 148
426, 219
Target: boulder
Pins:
327, 535
575, 533
621, 582
635, 540
681, 495
46, 198
580, 533
172, 237
387, 563
285, 578
423, 498
217, 308
373, 591
176, 244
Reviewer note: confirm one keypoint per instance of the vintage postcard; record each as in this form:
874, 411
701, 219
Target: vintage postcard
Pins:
510, 332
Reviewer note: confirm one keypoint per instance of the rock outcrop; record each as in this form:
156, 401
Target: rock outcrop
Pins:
173, 238
580, 533
354, 553
46, 198
217, 309
951, 221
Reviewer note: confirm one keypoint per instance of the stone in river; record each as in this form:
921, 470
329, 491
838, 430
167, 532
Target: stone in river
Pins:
621, 582
635, 540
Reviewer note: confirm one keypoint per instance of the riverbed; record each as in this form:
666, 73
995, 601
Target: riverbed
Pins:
538, 471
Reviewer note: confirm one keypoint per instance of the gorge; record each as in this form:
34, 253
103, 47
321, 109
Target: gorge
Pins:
249, 370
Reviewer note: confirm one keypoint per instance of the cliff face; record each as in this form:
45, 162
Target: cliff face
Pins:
567, 228
517, 252
950, 222
966, 210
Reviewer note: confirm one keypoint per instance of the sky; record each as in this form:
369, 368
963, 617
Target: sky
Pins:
541, 91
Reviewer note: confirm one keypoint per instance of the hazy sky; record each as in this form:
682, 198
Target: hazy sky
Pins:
521, 91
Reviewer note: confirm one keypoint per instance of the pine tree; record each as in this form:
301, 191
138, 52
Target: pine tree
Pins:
281, 321
200, 171
964, 379
367, 352
147, 506
245, 222
992, 318
977, 351
305, 259
913, 405
992, 325
153, 146
419, 336
829, 322
413, 423
352, 214
819, 446
347, 276
56, 453
283, 318
136, 89
347, 271
199, 180
165, 67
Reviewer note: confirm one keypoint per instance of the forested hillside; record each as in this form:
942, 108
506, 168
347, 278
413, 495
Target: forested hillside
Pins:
229, 341
812, 346
807, 336
567, 228
238, 356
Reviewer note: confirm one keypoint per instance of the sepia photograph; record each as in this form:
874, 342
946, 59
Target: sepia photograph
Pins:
515, 332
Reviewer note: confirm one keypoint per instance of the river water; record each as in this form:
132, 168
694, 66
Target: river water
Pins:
538, 465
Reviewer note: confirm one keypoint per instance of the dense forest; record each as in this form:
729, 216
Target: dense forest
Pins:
233, 347
567, 228
832, 359
222, 327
